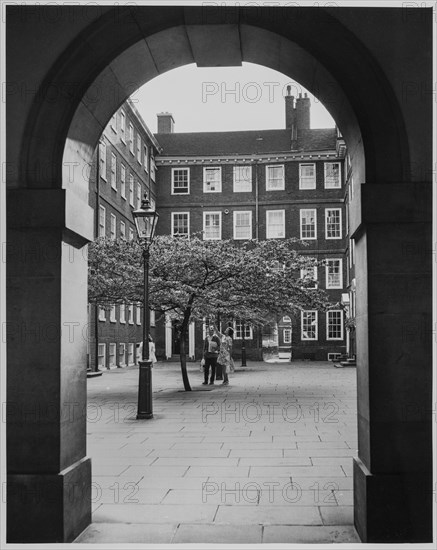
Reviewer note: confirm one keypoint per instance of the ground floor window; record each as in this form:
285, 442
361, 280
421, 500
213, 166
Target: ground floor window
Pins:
130, 354
122, 355
102, 356
287, 335
248, 331
309, 325
334, 325
112, 351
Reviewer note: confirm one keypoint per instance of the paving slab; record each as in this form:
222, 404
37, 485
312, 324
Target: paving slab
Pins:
266, 459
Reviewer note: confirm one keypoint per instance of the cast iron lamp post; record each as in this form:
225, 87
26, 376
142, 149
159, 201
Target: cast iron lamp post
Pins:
145, 219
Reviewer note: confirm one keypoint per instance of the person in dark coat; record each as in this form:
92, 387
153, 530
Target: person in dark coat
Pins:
211, 350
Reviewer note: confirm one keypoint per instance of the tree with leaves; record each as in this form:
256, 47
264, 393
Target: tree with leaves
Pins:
191, 279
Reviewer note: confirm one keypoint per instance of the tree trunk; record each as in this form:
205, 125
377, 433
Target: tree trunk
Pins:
183, 356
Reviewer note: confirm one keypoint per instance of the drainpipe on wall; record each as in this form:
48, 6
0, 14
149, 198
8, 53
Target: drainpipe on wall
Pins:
96, 234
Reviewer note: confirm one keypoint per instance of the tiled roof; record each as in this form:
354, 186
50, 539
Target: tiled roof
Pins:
244, 142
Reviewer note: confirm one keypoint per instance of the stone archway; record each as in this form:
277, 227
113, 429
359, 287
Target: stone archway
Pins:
90, 68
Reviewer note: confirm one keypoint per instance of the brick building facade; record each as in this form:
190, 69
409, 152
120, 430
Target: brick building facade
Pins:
261, 184
123, 169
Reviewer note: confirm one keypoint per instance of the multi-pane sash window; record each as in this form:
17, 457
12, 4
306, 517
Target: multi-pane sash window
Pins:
131, 234
114, 122
212, 226
242, 225
123, 180
102, 221
180, 224
334, 273
122, 354
113, 171
309, 275
138, 309
152, 169
308, 324
131, 190
275, 224
113, 227
139, 148
287, 335
332, 175
275, 177
307, 176
131, 137
101, 361
212, 180
102, 314
146, 158
122, 313
131, 314
248, 332
308, 224
334, 324
130, 354
112, 358
102, 156
333, 223
122, 230
123, 126
138, 194
242, 179
180, 181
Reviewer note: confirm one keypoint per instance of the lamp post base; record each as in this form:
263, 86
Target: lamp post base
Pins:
145, 405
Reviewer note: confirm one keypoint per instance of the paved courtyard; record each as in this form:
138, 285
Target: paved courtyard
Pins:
267, 459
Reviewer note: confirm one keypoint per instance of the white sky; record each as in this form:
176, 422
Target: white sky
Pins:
223, 99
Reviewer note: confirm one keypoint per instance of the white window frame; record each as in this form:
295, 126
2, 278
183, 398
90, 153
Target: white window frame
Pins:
219, 182
138, 194
114, 171
102, 156
243, 185
131, 190
315, 324
301, 212
131, 354
113, 122
122, 230
101, 357
286, 335
139, 148
130, 313
131, 137
123, 126
238, 330
102, 314
112, 352
122, 314
328, 262
313, 182
269, 180
235, 216
138, 310
213, 213
122, 354
303, 273
185, 169
173, 214
152, 318
113, 226
131, 234
327, 210
333, 356
146, 157
123, 181
152, 169
268, 228
341, 324
102, 221
330, 185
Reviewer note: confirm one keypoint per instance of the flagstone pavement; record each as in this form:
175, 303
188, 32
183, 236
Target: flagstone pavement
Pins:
267, 459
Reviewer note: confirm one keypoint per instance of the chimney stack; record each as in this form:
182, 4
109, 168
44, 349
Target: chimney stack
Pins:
303, 112
290, 111
165, 123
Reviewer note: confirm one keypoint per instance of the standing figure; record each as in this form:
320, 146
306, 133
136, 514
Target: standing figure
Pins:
211, 349
225, 355
152, 355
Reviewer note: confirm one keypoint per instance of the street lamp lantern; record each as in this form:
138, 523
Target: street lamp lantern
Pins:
145, 219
